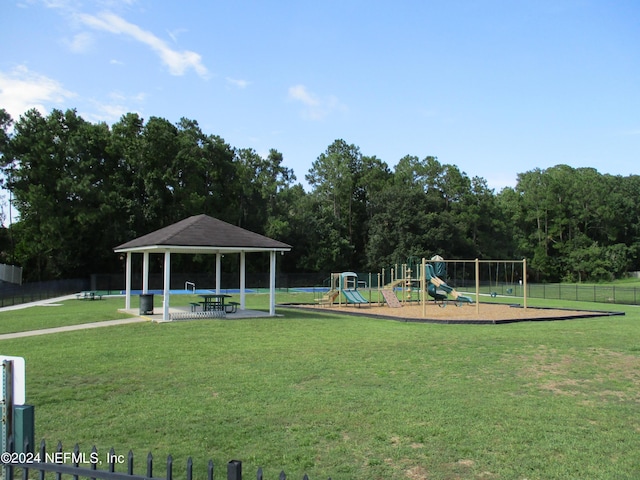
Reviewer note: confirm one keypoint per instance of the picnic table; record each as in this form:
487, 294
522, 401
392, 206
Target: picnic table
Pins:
88, 295
212, 302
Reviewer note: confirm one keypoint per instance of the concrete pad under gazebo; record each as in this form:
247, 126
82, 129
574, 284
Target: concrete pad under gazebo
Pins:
200, 234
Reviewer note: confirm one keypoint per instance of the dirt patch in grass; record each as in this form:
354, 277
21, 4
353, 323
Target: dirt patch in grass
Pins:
466, 313
595, 375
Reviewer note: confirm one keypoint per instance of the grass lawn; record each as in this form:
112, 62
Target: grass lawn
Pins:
69, 312
341, 396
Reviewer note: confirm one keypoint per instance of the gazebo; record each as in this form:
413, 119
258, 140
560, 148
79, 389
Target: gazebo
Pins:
204, 235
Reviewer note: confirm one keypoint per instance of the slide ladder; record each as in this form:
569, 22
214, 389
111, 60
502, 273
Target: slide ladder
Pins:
329, 297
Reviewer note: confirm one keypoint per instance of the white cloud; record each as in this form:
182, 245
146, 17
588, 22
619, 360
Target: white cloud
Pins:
300, 93
238, 82
174, 34
22, 90
118, 104
316, 108
177, 62
80, 43
57, 3
107, 112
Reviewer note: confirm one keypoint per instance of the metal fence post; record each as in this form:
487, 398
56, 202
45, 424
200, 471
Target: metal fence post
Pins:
234, 470
7, 411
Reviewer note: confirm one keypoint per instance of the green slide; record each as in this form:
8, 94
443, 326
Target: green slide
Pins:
354, 296
441, 286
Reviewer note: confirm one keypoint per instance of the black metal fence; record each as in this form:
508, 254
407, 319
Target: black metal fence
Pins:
570, 292
79, 464
11, 294
114, 284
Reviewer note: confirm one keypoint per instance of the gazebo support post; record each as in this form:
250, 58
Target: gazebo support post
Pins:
145, 272
127, 293
167, 282
218, 271
272, 285
243, 279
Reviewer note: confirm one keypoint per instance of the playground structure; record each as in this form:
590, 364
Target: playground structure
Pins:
419, 279
428, 276
345, 283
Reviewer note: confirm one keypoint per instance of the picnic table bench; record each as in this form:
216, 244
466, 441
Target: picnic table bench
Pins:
231, 307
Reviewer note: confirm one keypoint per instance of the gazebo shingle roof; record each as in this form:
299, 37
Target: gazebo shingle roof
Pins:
203, 233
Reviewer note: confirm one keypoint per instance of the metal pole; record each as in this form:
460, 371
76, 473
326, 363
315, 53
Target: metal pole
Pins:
243, 280
423, 287
524, 280
477, 286
7, 409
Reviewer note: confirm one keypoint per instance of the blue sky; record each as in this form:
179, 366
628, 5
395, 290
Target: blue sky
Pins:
496, 87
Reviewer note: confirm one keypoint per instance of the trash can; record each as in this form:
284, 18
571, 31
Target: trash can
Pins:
146, 304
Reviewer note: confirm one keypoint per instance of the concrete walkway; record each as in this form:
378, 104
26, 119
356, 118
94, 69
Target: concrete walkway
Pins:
68, 328
38, 303
107, 323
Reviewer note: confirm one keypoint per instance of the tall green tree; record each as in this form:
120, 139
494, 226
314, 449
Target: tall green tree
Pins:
572, 225
415, 214
345, 190
5, 124
373, 178
6, 239
488, 229
332, 178
81, 188
125, 188
58, 168
159, 149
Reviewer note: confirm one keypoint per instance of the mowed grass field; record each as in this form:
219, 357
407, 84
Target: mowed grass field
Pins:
341, 396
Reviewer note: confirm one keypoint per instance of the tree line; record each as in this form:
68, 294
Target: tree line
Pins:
82, 188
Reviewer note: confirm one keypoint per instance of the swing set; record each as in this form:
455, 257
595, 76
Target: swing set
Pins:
508, 286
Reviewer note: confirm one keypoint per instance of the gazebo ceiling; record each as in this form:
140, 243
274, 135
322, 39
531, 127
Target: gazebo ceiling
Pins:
202, 234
